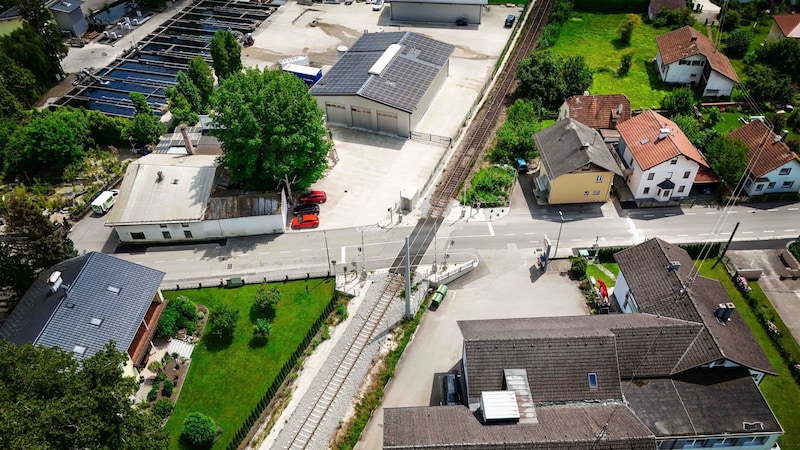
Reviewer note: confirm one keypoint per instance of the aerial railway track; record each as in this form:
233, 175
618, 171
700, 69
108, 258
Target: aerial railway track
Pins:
303, 436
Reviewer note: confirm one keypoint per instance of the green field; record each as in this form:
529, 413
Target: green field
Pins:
781, 392
226, 380
593, 271
595, 37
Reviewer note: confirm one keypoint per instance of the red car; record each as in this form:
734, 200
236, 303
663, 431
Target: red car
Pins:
305, 221
314, 197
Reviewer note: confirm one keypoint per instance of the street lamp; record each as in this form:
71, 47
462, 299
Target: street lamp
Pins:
558, 239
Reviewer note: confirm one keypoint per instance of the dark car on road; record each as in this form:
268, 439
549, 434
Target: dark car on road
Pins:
450, 395
314, 197
510, 20
306, 208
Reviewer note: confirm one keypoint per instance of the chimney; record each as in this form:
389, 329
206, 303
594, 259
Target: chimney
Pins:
186, 141
724, 311
619, 109
694, 39
674, 265
662, 133
54, 281
784, 133
777, 138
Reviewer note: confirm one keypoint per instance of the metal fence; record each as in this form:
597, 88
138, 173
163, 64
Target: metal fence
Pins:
432, 138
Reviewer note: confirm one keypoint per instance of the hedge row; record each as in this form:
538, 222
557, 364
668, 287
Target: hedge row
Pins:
606, 254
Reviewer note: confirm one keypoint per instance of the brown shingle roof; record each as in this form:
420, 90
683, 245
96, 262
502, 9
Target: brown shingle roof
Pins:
789, 24
661, 291
773, 153
641, 133
563, 427
678, 44
599, 111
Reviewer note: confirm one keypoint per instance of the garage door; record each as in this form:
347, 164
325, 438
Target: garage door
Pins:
362, 118
387, 122
336, 113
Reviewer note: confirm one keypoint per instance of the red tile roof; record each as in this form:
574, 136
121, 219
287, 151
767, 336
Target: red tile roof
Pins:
789, 24
597, 111
641, 136
705, 175
678, 44
773, 153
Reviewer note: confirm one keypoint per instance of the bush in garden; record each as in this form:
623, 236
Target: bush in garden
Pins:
199, 429
153, 393
163, 408
166, 391
578, 267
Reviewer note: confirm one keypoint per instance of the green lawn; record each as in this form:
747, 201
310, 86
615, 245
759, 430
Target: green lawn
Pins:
593, 271
595, 37
781, 392
729, 122
227, 380
612, 267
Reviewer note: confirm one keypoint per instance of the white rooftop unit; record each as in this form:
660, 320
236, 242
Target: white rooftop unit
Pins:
299, 60
387, 57
499, 406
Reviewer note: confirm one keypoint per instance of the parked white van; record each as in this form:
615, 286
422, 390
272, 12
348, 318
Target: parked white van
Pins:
104, 201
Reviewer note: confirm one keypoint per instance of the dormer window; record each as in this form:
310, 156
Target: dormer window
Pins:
79, 350
113, 289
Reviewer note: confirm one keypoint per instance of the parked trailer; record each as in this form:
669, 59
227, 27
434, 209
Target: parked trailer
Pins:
309, 75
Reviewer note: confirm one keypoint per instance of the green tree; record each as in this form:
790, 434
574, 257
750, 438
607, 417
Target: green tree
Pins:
199, 430
19, 82
578, 265
673, 19
627, 27
226, 54
577, 76
783, 56
727, 158
737, 42
41, 19
730, 20
200, 74
261, 329
145, 127
625, 62
267, 298
140, 103
679, 101
271, 130
223, 321
764, 83
163, 408
26, 47
515, 136
50, 400
185, 86
182, 111
48, 141
40, 243
690, 127
550, 79
10, 107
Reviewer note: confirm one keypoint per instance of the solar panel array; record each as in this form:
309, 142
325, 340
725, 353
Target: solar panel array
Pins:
403, 82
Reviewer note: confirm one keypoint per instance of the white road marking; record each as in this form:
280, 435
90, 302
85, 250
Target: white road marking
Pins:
769, 231
306, 250
264, 253
711, 212
728, 232
789, 230
285, 251
690, 214
530, 233
683, 235
732, 212
508, 234
491, 228
747, 232
772, 209
344, 260
574, 240
649, 215
792, 209
181, 259
703, 234
160, 261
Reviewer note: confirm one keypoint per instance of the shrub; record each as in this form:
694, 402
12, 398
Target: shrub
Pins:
262, 329
152, 393
267, 298
166, 391
341, 310
223, 321
490, 186
737, 43
679, 102
163, 408
199, 429
155, 366
179, 313
673, 19
731, 20
626, 28
578, 266
160, 377
625, 63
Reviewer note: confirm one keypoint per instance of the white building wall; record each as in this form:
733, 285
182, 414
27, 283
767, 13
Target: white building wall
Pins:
764, 441
434, 12
430, 94
251, 226
753, 188
155, 232
681, 72
718, 85
350, 101
622, 292
638, 181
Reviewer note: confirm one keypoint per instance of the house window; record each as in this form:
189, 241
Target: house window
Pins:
79, 350
681, 189
113, 289
96, 322
785, 171
694, 75
599, 179
712, 91
163, 225
722, 442
684, 62
698, 63
137, 235
585, 192
669, 175
187, 234
631, 163
659, 193
749, 182
646, 190
694, 443
673, 161
771, 185
595, 192
166, 235
650, 176
787, 184
185, 225
592, 380
755, 440
687, 173
759, 186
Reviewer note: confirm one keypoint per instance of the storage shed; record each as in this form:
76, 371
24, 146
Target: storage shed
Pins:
441, 11
385, 82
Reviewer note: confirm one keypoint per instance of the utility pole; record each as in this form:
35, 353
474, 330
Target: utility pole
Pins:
435, 245
408, 280
558, 239
327, 252
726, 245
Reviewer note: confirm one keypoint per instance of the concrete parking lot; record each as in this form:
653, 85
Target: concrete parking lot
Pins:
504, 285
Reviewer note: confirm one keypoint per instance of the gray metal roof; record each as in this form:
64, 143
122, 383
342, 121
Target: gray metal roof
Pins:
401, 84
561, 146
65, 6
232, 206
179, 194
64, 318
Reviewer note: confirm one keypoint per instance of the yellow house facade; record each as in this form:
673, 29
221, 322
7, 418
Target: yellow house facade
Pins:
577, 167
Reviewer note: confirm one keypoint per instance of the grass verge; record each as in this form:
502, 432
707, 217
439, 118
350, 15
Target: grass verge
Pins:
227, 378
594, 271
782, 392
595, 37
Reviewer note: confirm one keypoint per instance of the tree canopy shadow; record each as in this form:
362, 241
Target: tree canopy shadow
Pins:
257, 312
215, 343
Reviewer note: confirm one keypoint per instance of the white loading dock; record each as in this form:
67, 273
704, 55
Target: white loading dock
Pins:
437, 11
176, 198
385, 82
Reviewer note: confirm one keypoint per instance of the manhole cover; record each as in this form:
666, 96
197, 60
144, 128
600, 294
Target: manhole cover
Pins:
104, 54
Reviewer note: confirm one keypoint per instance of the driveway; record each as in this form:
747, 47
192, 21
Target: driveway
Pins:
504, 285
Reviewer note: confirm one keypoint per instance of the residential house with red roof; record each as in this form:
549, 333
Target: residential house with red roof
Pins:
660, 162
687, 56
783, 26
772, 167
601, 112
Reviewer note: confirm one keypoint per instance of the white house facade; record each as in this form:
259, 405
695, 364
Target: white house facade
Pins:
437, 11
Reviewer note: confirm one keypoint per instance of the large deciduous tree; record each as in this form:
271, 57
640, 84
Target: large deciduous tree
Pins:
550, 79
50, 400
515, 136
727, 157
49, 141
36, 14
200, 74
271, 130
145, 126
679, 102
226, 54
